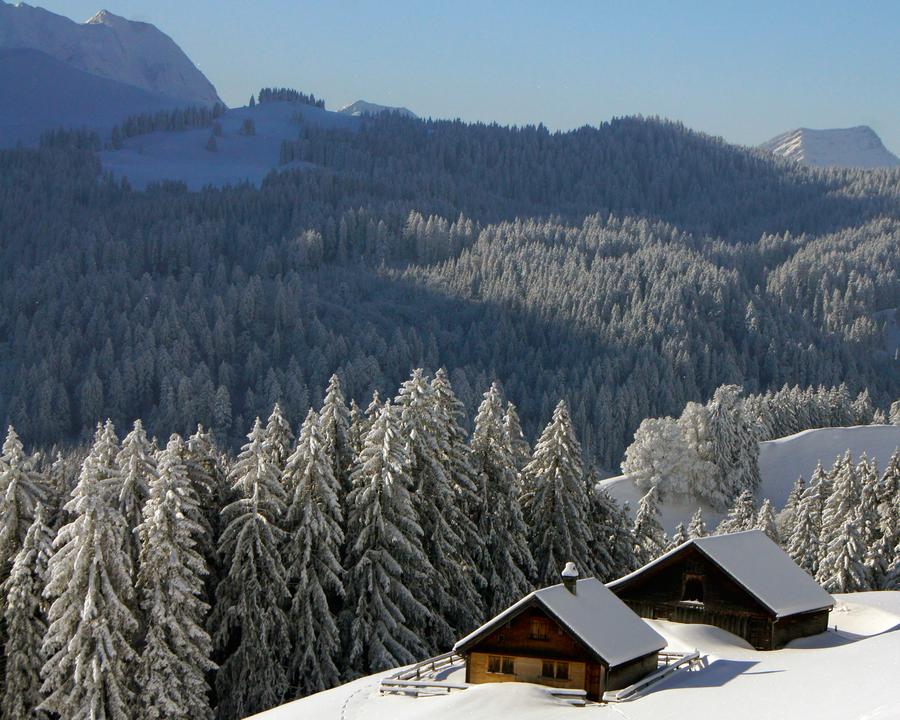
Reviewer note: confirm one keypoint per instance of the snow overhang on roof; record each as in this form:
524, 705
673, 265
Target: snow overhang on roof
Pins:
592, 614
759, 566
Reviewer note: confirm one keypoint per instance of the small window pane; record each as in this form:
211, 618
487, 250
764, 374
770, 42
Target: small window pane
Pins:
493, 664
509, 667
562, 671
547, 669
539, 629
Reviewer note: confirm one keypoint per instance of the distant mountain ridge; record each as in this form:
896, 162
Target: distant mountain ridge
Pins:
855, 147
111, 47
361, 107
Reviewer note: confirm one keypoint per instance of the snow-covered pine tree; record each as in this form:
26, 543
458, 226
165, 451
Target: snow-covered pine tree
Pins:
386, 558
697, 526
89, 643
518, 444
312, 560
765, 521
894, 413
467, 613
448, 592
803, 543
25, 624
612, 531
249, 617
279, 438
20, 492
602, 533
649, 537
356, 434
334, 419
843, 569
878, 560
556, 507
843, 502
888, 495
504, 560
137, 469
870, 526
785, 519
741, 516
175, 658
679, 537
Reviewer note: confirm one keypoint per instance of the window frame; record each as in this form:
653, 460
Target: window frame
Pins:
540, 629
503, 664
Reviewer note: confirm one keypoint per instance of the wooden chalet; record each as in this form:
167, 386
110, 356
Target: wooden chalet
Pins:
743, 583
576, 635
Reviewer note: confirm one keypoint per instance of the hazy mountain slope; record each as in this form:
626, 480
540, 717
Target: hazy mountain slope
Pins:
112, 47
361, 107
856, 147
38, 93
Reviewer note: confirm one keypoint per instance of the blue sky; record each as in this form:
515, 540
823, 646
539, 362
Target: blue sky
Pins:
742, 70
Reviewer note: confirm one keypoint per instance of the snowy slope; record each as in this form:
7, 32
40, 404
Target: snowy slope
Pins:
856, 147
781, 462
361, 107
239, 158
111, 47
38, 93
839, 675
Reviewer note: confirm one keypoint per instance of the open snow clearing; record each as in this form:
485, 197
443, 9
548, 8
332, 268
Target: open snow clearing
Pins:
843, 674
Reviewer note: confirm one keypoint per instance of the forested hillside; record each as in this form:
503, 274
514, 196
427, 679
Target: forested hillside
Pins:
629, 269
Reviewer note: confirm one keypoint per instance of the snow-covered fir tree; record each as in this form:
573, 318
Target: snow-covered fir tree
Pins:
25, 624
888, 497
613, 537
649, 537
334, 420
741, 516
803, 543
521, 450
843, 502
504, 560
449, 591
870, 525
785, 519
556, 507
312, 558
175, 659
734, 444
137, 469
250, 619
89, 646
279, 437
697, 526
20, 492
679, 537
842, 569
356, 434
386, 559
765, 521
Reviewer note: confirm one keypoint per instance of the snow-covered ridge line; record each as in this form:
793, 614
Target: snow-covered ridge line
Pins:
856, 147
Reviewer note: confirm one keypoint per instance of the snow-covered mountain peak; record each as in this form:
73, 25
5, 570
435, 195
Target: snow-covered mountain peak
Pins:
856, 147
362, 107
113, 47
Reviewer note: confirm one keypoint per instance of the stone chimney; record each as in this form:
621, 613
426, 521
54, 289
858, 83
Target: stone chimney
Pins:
570, 577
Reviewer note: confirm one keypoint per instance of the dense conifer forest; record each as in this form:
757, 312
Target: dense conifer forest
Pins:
628, 268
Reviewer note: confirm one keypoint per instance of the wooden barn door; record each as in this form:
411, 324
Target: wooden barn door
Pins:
594, 681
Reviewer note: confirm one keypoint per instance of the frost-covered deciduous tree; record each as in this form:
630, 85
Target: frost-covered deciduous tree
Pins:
386, 558
312, 559
26, 624
649, 537
504, 560
89, 644
249, 617
137, 469
175, 659
556, 508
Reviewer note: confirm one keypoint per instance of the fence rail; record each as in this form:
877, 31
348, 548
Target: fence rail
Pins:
675, 661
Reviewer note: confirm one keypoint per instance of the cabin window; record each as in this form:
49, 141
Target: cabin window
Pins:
501, 665
540, 629
558, 671
693, 588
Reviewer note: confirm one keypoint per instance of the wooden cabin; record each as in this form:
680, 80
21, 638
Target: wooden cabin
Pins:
575, 635
743, 583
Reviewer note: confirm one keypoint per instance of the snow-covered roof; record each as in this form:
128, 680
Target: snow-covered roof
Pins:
758, 565
592, 614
